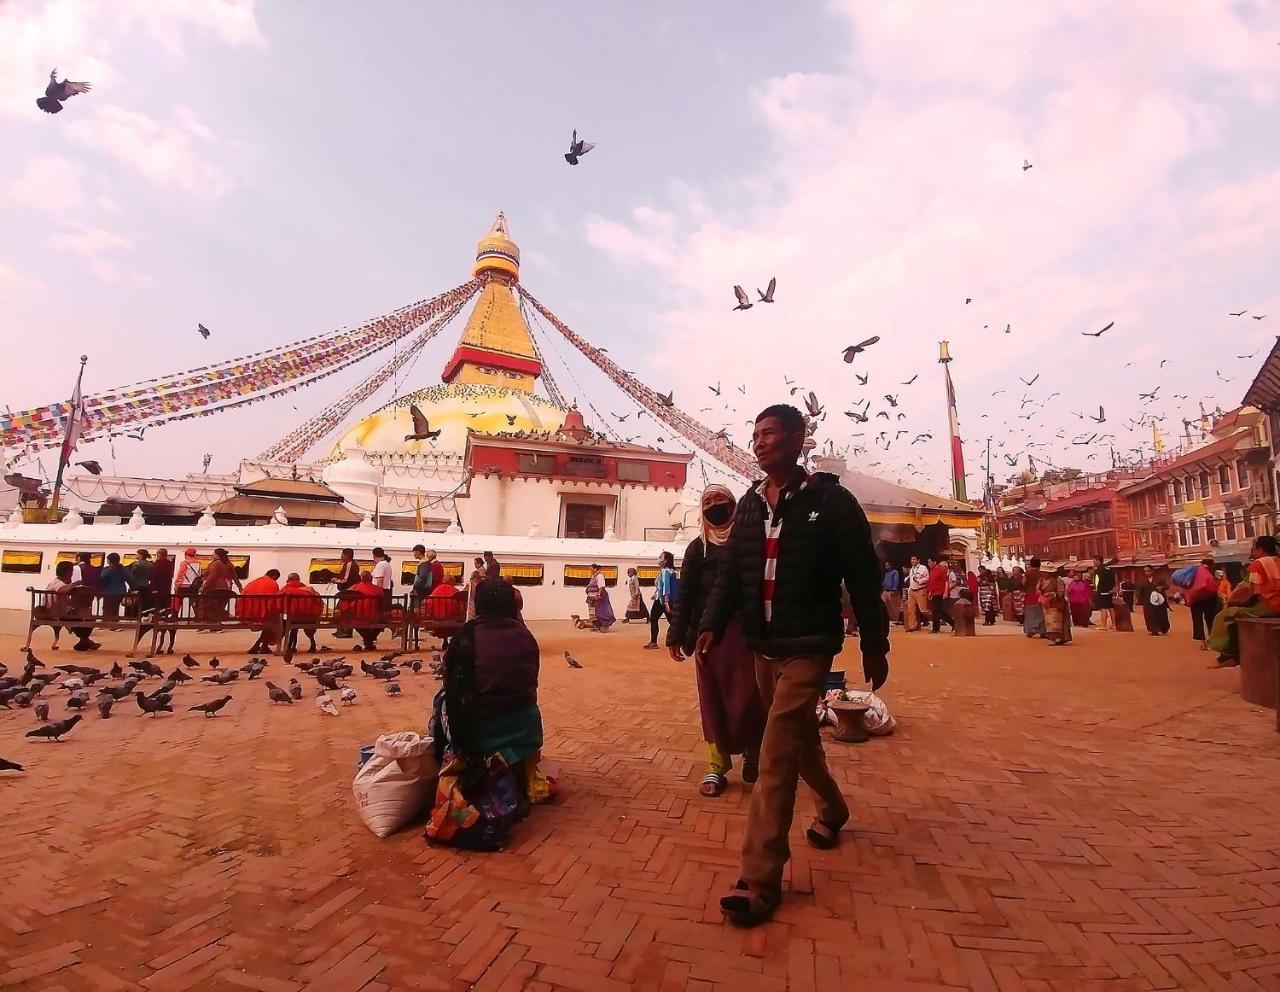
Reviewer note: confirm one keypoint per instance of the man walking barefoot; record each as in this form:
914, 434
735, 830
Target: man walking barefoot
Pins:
797, 536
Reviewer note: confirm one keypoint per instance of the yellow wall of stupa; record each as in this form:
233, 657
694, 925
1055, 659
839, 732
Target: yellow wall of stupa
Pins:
488, 380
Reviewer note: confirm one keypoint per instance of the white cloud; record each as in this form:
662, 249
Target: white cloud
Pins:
9, 279
162, 152
234, 21
51, 184
95, 245
895, 191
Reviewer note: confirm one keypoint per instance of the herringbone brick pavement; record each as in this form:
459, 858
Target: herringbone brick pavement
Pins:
1103, 816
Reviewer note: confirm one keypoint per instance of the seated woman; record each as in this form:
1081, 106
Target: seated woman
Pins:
487, 726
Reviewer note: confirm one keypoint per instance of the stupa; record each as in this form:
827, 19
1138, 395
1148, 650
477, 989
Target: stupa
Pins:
488, 381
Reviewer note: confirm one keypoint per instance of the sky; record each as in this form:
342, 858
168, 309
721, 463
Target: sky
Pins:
275, 171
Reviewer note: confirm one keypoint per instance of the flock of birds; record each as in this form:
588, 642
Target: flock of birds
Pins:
40, 687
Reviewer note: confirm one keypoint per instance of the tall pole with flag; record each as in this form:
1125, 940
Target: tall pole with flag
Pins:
77, 421
958, 489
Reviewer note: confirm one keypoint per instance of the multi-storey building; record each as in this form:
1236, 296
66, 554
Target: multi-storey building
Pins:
1264, 394
1209, 501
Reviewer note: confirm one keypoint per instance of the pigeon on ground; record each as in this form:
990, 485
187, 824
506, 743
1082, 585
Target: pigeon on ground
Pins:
214, 662
116, 670
767, 295
160, 704
571, 660
212, 706
41, 710
744, 301
104, 706
854, 350
577, 148
72, 684
189, 661
295, 688
278, 695
147, 668
421, 426
10, 766
56, 93
348, 694
393, 689
78, 700
326, 703
415, 666
327, 681
178, 675
55, 731
222, 678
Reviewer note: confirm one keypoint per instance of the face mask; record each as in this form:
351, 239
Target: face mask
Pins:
718, 514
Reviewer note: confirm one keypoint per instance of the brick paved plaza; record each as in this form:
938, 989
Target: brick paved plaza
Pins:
1100, 816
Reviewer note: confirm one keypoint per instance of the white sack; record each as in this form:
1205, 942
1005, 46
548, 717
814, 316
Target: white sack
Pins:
397, 783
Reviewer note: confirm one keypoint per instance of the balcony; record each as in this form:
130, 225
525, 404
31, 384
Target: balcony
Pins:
1257, 493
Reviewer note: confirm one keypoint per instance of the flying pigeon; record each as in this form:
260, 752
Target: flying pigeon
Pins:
570, 660
202, 331
911, 380
744, 301
862, 379
767, 295
1098, 334
667, 399
577, 148
91, 466
58, 92
421, 427
1032, 380
1101, 418
1026, 164
856, 349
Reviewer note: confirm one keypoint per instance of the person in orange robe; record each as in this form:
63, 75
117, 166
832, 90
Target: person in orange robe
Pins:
365, 609
259, 603
300, 603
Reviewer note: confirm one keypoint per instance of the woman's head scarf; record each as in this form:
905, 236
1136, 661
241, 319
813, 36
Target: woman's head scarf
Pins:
717, 533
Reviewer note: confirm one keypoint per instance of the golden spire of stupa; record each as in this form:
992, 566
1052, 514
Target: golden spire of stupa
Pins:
495, 348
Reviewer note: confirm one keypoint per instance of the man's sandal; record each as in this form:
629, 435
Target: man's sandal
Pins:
751, 768
823, 835
746, 908
713, 785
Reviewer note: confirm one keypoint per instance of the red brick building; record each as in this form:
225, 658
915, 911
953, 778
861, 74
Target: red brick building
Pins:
1088, 522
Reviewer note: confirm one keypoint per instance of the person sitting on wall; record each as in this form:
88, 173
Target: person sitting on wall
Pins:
1257, 596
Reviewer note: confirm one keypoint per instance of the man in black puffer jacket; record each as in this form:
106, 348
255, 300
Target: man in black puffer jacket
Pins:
796, 537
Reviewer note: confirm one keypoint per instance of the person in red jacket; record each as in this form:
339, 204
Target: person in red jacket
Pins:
938, 594
366, 609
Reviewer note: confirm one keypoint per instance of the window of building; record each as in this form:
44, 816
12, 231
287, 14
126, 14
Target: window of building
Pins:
1229, 525
535, 463
1194, 529
1247, 517
585, 520
1190, 483
1182, 533
1224, 478
22, 562
585, 466
1204, 485
1210, 532
1177, 490
1242, 475
633, 471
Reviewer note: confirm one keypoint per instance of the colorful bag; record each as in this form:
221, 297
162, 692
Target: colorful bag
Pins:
476, 804
1184, 576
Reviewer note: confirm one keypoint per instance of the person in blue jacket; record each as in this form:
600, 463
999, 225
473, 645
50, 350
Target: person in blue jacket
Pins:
664, 596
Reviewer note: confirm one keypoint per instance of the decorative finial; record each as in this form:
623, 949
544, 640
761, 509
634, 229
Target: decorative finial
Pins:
944, 352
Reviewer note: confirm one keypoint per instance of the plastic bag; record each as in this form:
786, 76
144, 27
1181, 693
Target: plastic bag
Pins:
1184, 576
397, 783
1156, 598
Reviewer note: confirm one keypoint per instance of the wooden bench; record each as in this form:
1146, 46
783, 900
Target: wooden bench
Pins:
345, 611
84, 608
439, 616
1259, 640
213, 612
